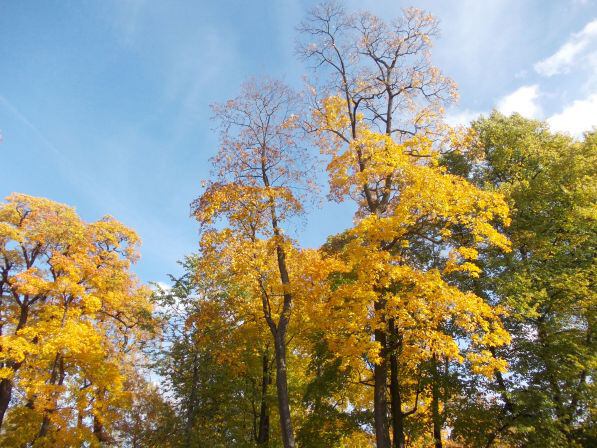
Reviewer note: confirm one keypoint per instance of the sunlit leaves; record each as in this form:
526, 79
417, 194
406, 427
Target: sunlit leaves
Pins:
71, 311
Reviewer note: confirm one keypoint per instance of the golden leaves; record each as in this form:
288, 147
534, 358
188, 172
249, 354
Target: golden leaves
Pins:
408, 204
70, 303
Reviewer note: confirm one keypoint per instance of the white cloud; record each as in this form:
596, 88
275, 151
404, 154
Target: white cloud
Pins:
577, 117
523, 100
461, 117
570, 53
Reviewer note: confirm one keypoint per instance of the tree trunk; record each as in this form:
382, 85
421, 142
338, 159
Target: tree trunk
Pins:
190, 411
436, 416
279, 332
396, 405
57, 378
5, 395
98, 431
263, 434
380, 405
6, 384
282, 389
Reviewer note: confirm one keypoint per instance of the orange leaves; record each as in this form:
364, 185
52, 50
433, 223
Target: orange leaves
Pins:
113, 235
244, 206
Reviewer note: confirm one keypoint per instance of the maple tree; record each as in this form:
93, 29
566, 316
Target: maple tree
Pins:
379, 117
458, 308
72, 316
217, 364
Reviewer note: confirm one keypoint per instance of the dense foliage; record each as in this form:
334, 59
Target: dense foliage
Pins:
457, 310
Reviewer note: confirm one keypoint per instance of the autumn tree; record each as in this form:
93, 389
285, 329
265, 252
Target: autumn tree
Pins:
215, 362
150, 420
72, 319
377, 110
260, 180
546, 283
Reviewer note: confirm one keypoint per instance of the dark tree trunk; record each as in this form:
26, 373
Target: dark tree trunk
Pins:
57, 377
396, 404
5, 395
435, 398
266, 378
279, 331
282, 389
98, 431
190, 411
380, 405
6, 384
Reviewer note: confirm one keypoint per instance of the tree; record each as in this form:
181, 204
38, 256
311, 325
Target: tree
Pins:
215, 363
379, 117
72, 320
150, 421
546, 282
394, 290
260, 180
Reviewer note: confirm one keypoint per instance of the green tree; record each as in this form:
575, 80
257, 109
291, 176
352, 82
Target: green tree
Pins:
547, 284
213, 364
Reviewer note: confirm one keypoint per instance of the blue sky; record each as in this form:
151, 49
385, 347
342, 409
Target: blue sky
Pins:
104, 104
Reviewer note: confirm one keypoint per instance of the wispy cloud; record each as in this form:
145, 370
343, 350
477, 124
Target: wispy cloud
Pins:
578, 46
126, 15
523, 100
78, 176
24, 120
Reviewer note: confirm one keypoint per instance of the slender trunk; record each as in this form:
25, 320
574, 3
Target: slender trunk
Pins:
396, 404
380, 405
279, 331
436, 416
45, 426
263, 434
395, 397
98, 431
282, 389
5, 395
56, 377
6, 384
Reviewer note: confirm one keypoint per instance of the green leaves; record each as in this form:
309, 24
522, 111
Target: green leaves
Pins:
547, 281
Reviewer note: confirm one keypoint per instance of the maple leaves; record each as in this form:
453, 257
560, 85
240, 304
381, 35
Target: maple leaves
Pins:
71, 311
257, 186
415, 226
373, 337
382, 293
426, 205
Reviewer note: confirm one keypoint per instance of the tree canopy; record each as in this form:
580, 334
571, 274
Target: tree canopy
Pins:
456, 310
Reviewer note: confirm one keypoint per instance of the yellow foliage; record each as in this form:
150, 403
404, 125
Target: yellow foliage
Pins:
407, 202
69, 308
